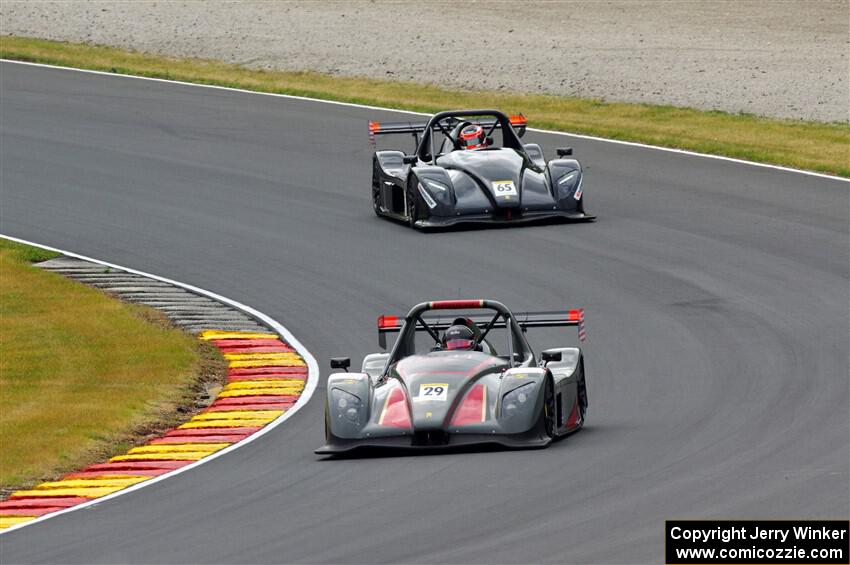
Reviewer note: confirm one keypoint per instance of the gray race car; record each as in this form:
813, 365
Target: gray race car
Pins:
446, 384
471, 167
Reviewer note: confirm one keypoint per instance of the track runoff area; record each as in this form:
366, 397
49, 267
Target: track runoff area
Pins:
728, 455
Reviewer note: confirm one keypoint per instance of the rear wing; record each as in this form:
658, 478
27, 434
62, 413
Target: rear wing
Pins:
518, 121
525, 320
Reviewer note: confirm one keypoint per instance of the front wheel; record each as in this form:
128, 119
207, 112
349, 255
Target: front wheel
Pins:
549, 424
376, 189
581, 392
412, 205
582, 401
376, 201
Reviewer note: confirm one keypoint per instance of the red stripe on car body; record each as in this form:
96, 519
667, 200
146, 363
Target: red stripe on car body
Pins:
395, 411
455, 304
473, 409
573, 419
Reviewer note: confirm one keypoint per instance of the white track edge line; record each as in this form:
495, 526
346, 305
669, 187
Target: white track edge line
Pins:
306, 394
385, 109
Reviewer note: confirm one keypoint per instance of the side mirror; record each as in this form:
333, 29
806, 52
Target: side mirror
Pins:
341, 363
564, 151
409, 159
549, 356
488, 141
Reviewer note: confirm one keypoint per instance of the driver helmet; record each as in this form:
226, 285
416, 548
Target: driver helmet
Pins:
472, 137
458, 337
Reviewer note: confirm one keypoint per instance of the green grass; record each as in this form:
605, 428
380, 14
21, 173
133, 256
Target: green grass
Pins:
82, 375
805, 145
26, 253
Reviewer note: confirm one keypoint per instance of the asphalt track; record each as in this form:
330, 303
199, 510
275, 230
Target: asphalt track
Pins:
716, 293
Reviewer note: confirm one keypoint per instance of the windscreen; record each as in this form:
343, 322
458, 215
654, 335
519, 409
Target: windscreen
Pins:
444, 143
497, 341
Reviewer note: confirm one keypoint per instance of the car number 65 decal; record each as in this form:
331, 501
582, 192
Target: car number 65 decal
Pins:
504, 188
433, 391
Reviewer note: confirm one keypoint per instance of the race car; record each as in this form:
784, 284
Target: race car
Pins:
446, 383
471, 167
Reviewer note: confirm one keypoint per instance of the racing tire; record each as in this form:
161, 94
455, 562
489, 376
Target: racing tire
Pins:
376, 198
582, 397
376, 189
549, 411
327, 425
412, 204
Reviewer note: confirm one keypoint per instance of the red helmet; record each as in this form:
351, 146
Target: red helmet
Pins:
472, 137
458, 337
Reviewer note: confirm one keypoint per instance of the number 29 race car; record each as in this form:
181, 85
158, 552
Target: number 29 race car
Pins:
471, 167
447, 383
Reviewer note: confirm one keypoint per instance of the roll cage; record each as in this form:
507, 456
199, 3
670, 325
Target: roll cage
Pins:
447, 123
512, 127
418, 321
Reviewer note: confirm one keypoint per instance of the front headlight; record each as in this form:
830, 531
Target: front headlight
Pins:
429, 200
516, 399
435, 192
568, 179
346, 405
570, 182
437, 186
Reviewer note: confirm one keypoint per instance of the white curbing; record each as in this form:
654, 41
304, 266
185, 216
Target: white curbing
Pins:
383, 109
306, 394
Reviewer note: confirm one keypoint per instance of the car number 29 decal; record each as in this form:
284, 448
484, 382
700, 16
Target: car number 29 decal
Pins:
433, 391
505, 189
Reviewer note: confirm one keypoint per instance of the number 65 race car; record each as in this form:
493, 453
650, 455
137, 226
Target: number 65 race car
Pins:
471, 167
445, 384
